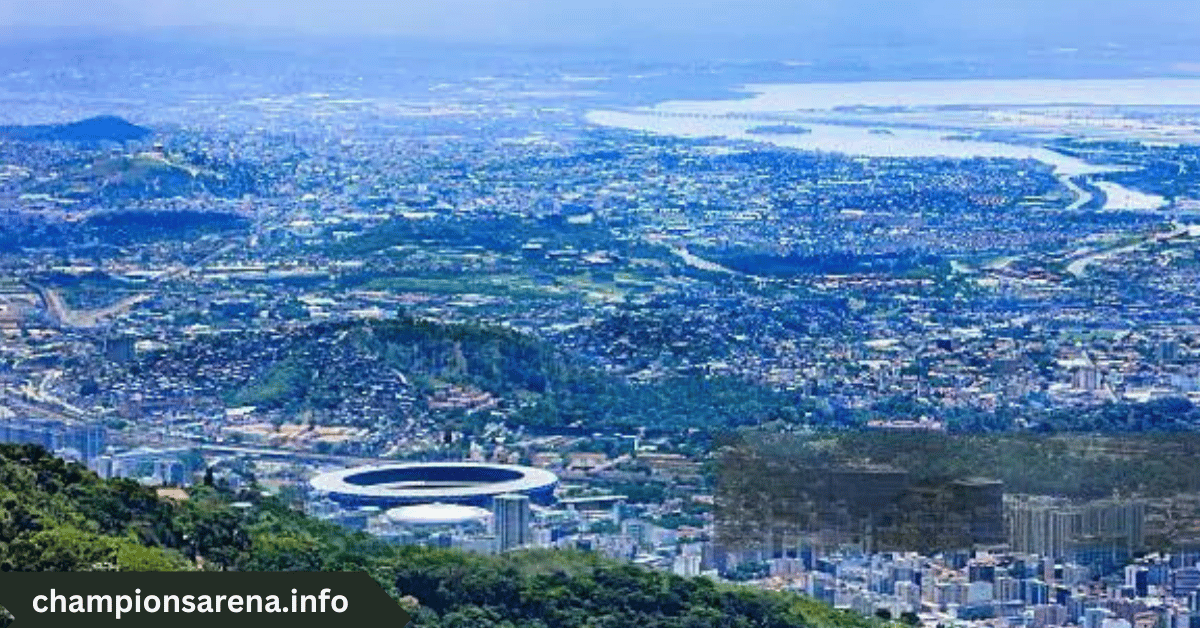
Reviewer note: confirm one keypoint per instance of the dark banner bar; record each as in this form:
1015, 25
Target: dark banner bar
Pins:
231, 599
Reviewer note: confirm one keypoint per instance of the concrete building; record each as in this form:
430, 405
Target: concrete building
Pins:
1102, 533
686, 565
72, 439
512, 521
1095, 617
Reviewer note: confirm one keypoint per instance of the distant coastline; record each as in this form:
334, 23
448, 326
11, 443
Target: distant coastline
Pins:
778, 129
953, 94
954, 119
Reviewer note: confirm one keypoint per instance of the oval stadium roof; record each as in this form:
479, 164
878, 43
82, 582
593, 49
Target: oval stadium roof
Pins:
429, 482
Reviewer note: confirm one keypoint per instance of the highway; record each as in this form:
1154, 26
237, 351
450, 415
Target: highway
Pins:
68, 318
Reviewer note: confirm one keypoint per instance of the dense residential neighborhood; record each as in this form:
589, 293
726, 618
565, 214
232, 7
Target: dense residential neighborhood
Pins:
450, 281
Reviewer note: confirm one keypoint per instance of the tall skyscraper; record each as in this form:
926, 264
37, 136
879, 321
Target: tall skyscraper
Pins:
1096, 533
513, 521
87, 440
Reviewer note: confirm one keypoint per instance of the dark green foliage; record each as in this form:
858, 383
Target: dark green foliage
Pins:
1172, 414
57, 516
1168, 414
1070, 465
498, 360
133, 226
547, 388
504, 234
498, 235
118, 180
562, 589
592, 400
641, 492
838, 262
749, 571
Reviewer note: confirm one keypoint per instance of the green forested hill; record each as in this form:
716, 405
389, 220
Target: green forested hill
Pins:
320, 366
57, 516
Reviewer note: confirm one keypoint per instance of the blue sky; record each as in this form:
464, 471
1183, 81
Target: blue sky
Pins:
817, 22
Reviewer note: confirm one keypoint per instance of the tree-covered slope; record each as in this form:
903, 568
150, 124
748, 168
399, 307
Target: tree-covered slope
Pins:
324, 366
58, 516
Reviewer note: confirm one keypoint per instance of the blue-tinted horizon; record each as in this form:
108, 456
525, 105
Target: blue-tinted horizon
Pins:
716, 25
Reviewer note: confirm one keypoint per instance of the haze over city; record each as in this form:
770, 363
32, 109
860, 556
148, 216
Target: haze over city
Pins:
808, 314
723, 26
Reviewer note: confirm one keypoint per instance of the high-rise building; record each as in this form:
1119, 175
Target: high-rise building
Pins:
84, 440
1101, 533
513, 521
1049, 615
1185, 581
1095, 617
771, 501
120, 349
1167, 350
1137, 577
1086, 379
686, 565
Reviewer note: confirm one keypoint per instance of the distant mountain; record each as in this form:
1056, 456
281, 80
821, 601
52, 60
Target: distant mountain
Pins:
96, 129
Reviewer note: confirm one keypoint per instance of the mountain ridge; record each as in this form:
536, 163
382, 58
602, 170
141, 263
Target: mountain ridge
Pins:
101, 128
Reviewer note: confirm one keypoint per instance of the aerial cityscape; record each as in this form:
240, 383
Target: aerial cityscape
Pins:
915, 338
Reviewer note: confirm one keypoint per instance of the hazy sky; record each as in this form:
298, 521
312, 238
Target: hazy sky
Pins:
1018, 22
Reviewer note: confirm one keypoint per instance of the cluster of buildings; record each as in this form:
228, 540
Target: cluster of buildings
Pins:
848, 539
959, 553
621, 248
83, 442
885, 290
470, 505
88, 444
999, 588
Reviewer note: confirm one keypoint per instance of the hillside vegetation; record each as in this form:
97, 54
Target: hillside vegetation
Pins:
56, 516
322, 365
1076, 465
